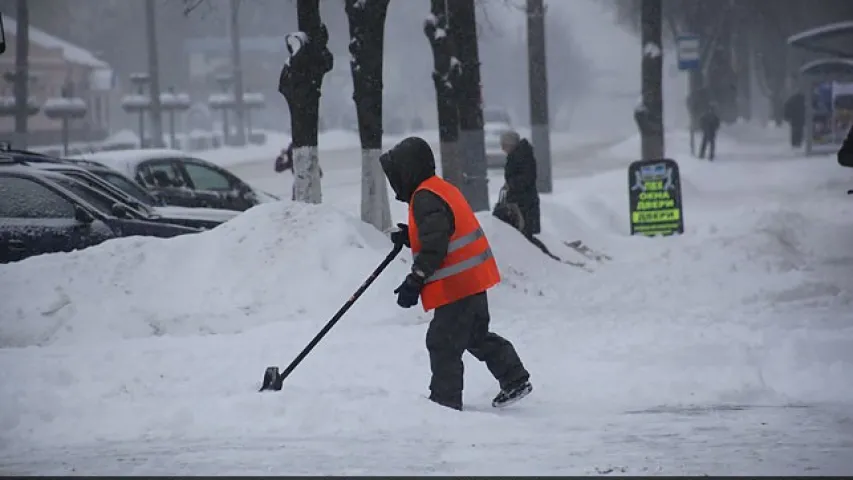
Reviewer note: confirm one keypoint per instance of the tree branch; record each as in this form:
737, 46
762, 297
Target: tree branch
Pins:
190, 5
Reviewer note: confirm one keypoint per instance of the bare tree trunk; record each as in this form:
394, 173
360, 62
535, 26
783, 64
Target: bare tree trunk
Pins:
237, 67
22, 74
367, 36
652, 72
445, 76
300, 82
695, 80
537, 67
472, 142
743, 55
154, 73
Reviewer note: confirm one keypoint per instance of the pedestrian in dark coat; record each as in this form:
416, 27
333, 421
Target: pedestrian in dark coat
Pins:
845, 154
709, 122
284, 161
451, 270
795, 115
520, 181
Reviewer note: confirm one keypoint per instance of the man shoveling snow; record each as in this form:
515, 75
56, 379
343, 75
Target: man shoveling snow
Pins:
452, 268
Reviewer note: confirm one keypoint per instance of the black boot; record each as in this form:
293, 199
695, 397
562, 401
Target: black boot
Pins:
511, 394
444, 403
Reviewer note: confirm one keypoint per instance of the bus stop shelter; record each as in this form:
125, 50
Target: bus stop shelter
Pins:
834, 40
827, 85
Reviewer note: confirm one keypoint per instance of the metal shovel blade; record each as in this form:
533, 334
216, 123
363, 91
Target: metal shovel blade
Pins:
272, 379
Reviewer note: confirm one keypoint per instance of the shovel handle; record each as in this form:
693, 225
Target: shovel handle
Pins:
346, 306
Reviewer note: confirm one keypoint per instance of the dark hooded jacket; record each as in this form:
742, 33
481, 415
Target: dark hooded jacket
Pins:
845, 154
709, 122
520, 178
406, 166
795, 109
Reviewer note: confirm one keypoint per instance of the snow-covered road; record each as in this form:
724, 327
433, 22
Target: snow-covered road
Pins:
728, 350
573, 153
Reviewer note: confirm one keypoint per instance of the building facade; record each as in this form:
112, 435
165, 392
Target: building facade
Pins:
56, 66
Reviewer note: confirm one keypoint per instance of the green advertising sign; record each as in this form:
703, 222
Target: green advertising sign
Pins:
654, 193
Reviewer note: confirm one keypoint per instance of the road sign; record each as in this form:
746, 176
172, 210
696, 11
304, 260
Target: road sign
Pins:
689, 52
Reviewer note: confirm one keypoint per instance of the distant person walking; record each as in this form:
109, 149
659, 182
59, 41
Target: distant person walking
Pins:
795, 115
845, 154
709, 122
520, 192
284, 161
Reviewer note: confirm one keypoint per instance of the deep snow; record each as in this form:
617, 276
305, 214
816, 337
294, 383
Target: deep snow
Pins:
725, 351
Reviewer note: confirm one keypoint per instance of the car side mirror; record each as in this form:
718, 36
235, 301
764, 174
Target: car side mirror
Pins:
159, 200
83, 216
120, 210
243, 189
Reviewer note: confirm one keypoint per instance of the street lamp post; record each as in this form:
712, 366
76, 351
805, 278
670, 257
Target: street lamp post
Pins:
223, 101
252, 101
138, 103
65, 108
173, 103
8, 104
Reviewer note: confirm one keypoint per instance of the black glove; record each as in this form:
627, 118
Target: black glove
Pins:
401, 236
409, 291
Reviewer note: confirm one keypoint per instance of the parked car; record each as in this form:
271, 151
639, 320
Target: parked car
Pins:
495, 122
181, 180
126, 191
46, 212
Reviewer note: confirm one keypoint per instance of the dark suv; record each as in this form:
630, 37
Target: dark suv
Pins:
142, 204
44, 212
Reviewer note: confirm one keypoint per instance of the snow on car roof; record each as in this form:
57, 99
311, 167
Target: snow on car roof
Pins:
127, 160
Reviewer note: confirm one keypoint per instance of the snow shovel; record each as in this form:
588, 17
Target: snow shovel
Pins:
273, 379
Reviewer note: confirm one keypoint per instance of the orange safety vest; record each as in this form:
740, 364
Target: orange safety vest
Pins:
469, 267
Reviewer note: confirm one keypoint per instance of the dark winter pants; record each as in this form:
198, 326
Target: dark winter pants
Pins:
797, 134
460, 326
709, 139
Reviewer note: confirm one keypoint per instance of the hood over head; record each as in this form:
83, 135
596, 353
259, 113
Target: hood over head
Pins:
407, 165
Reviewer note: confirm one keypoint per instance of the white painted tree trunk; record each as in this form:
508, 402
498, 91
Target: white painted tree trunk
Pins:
306, 175
375, 209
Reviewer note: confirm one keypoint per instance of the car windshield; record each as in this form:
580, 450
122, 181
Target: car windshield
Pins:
102, 186
129, 187
101, 201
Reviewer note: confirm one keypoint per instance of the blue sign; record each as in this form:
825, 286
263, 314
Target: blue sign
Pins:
689, 52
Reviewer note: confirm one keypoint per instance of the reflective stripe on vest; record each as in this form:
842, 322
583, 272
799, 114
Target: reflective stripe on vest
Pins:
469, 266
460, 267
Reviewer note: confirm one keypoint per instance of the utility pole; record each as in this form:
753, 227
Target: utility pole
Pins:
22, 74
154, 74
651, 121
742, 49
537, 70
236, 64
472, 142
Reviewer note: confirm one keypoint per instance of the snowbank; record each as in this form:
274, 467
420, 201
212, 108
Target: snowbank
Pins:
274, 263
271, 263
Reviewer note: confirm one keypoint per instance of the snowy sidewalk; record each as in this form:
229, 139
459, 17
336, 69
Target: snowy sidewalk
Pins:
726, 351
